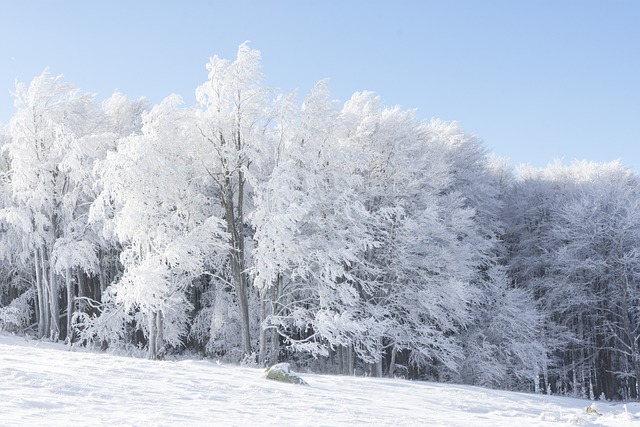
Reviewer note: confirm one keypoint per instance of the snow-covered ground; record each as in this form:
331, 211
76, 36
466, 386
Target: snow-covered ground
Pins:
46, 384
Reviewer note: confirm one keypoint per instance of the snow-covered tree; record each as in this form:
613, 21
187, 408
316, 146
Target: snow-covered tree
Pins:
158, 212
403, 251
49, 135
573, 238
356, 239
599, 231
232, 123
501, 345
310, 229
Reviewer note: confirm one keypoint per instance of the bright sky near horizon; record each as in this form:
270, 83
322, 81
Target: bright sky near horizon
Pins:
536, 80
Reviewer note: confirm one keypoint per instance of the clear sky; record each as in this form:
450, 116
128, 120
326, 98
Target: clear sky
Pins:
537, 80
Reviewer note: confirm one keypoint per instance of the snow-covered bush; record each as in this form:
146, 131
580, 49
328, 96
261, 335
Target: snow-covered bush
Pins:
17, 315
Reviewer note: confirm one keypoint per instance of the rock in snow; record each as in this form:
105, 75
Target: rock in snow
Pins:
282, 373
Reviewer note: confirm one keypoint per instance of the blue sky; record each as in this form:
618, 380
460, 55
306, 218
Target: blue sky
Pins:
536, 80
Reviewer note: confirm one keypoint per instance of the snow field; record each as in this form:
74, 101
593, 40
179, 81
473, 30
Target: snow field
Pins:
45, 383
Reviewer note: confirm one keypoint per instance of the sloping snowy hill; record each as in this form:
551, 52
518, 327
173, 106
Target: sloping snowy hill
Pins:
43, 383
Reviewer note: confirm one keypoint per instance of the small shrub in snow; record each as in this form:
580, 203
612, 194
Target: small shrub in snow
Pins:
15, 317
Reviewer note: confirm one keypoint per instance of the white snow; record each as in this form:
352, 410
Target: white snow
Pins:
47, 384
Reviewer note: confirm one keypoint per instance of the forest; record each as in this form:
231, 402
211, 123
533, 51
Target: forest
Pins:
257, 227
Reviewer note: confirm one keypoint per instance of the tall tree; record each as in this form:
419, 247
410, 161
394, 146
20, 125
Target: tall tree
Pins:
427, 248
599, 230
48, 134
232, 123
160, 218
310, 228
572, 241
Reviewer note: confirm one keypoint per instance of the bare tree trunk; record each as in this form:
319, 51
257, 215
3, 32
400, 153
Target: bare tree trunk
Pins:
378, 363
153, 334
545, 374
235, 227
70, 307
350, 361
46, 293
392, 363
160, 349
246, 334
237, 268
82, 284
275, 336
262, 353
574, 378
345, 360
41, 311
269, 339
53, 300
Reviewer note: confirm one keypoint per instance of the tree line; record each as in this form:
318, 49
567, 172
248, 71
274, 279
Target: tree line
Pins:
351, 239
